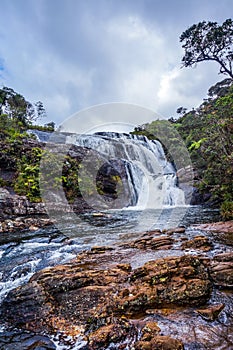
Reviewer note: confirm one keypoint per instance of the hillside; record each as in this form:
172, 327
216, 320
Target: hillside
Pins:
208, 135
204, 134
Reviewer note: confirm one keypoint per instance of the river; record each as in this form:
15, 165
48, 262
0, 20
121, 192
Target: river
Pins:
24, 253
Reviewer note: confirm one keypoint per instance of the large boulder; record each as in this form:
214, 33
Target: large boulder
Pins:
81, 296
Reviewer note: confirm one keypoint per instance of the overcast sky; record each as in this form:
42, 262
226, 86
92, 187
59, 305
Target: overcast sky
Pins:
72, 54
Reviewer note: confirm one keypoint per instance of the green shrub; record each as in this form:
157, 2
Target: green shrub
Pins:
227, 210
27, 181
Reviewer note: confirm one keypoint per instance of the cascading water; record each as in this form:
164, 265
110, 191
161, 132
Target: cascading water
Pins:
151, 178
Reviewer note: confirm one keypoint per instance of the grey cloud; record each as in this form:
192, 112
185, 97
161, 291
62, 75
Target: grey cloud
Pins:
74, 54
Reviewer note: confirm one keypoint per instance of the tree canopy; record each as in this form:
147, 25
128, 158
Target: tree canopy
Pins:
209, 41
16, 107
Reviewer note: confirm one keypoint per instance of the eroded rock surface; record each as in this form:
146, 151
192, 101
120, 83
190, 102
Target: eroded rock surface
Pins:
221, 226
102, 298
81, 296
221, 270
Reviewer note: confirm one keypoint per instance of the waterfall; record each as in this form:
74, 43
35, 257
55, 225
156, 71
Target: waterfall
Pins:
151, 178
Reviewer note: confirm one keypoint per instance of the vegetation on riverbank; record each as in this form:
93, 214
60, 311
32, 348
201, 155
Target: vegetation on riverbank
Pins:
208, 130
208, 135
21, 156
20, 153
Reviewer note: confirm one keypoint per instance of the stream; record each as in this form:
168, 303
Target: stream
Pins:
24, 253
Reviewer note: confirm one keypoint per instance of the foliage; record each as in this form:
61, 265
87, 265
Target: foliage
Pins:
27, 181
208, 41
227, 210
17, 152
47, 127
41, 113
220, 89
20, 156
18, 109
208, 135
166, 133
41, 170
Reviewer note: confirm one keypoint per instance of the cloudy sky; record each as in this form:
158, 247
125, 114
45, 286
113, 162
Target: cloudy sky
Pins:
72, 54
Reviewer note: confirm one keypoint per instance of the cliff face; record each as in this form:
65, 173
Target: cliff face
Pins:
12, 204
19, 178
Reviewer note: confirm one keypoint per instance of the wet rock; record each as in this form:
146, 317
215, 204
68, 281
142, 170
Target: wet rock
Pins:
160, 342
199, 242
31, 306
13, 340
171, 231
81, 297
221, 226
111, 334
211, 312
24, 223
221, 270
4, 193
150, 242
14, 205
173, 280
152, 233
149, 331
100, 249
223, 237
188, 180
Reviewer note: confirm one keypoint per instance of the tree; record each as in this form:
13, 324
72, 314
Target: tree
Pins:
50, 125
17, 108
220, 89
41, 113
208, 41
181, 110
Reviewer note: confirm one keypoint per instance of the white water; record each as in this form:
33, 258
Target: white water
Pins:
151, 178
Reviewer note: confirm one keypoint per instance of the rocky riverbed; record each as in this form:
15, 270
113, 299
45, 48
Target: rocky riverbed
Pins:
169, 289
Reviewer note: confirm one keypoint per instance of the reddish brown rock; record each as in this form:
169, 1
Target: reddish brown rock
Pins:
149, 331
221, 226
173, 280
221, 231
221, 270
170, 231
112, 333
150, 242
28, 306
199, 242
211, 312
160, 342
83, 295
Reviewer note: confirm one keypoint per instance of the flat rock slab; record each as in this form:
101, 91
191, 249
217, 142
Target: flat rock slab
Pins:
89, 292
221, 226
